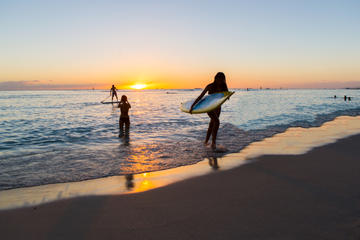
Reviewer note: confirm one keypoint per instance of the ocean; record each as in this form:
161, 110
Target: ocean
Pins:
65, 136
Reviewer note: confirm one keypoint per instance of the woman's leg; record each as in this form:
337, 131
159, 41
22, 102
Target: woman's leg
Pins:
214, 115
208, 134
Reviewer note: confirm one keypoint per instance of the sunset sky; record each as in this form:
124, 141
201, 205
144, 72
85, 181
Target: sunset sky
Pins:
179, 44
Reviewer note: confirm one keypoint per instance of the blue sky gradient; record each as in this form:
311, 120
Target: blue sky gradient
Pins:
174, 43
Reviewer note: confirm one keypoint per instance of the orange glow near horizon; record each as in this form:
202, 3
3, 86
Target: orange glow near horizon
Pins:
138, 86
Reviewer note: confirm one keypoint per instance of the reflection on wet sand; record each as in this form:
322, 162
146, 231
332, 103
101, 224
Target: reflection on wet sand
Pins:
213, 162
293, 141
142, 183
129, 181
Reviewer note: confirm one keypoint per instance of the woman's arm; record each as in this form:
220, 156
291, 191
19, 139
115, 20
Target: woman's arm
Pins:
199, 98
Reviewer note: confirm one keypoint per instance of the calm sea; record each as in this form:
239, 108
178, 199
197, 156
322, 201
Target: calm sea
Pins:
62, 136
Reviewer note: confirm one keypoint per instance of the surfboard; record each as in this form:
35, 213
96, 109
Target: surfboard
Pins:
206, 104
110, 102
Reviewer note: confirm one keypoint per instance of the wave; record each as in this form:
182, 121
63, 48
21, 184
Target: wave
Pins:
68, 164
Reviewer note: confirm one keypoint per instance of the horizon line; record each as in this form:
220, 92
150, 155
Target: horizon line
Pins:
138, 90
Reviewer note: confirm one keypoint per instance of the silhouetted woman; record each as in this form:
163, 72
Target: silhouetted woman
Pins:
219, 85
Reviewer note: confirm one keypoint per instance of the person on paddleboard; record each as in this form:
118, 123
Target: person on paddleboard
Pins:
124, 106
219, 85
113, 93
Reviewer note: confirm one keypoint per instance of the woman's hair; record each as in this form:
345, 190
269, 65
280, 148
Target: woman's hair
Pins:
220, 81
123, 98
220, 77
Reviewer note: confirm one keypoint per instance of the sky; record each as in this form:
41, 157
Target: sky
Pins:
179, 44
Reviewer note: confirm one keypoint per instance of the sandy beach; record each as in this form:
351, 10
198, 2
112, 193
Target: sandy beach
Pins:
311, 196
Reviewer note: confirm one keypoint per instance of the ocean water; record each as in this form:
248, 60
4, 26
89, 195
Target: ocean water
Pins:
63, 136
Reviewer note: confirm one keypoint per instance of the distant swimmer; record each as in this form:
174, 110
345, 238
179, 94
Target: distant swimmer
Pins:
349, 98
113, 93
124, 106
219, 85
334, 96
345, 97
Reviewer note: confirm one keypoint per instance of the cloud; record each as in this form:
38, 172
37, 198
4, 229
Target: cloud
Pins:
37, 85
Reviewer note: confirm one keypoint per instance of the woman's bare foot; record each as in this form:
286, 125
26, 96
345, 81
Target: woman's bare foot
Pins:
206, 143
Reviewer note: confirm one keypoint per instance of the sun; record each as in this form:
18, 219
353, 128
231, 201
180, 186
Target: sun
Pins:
138, 86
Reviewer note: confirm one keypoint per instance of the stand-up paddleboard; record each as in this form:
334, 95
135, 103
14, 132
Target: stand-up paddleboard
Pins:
206, 104
109, 102
116, 102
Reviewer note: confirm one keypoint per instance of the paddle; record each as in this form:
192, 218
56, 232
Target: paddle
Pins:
105, 99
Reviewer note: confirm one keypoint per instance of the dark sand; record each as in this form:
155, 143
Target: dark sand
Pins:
310, 196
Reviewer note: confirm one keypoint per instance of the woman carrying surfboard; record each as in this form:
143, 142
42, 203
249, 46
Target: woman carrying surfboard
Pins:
219, 85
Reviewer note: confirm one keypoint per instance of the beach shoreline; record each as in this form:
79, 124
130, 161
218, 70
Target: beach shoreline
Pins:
313, 195
292, 141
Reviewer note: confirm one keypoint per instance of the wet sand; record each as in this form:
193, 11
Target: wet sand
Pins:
311, 196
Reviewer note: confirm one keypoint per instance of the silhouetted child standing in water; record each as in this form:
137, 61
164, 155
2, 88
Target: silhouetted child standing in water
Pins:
124, 106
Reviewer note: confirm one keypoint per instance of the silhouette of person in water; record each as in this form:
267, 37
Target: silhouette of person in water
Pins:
124, 106
113, 93
219, 85
345, 97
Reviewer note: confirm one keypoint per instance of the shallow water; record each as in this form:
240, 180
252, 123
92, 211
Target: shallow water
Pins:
63, 136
